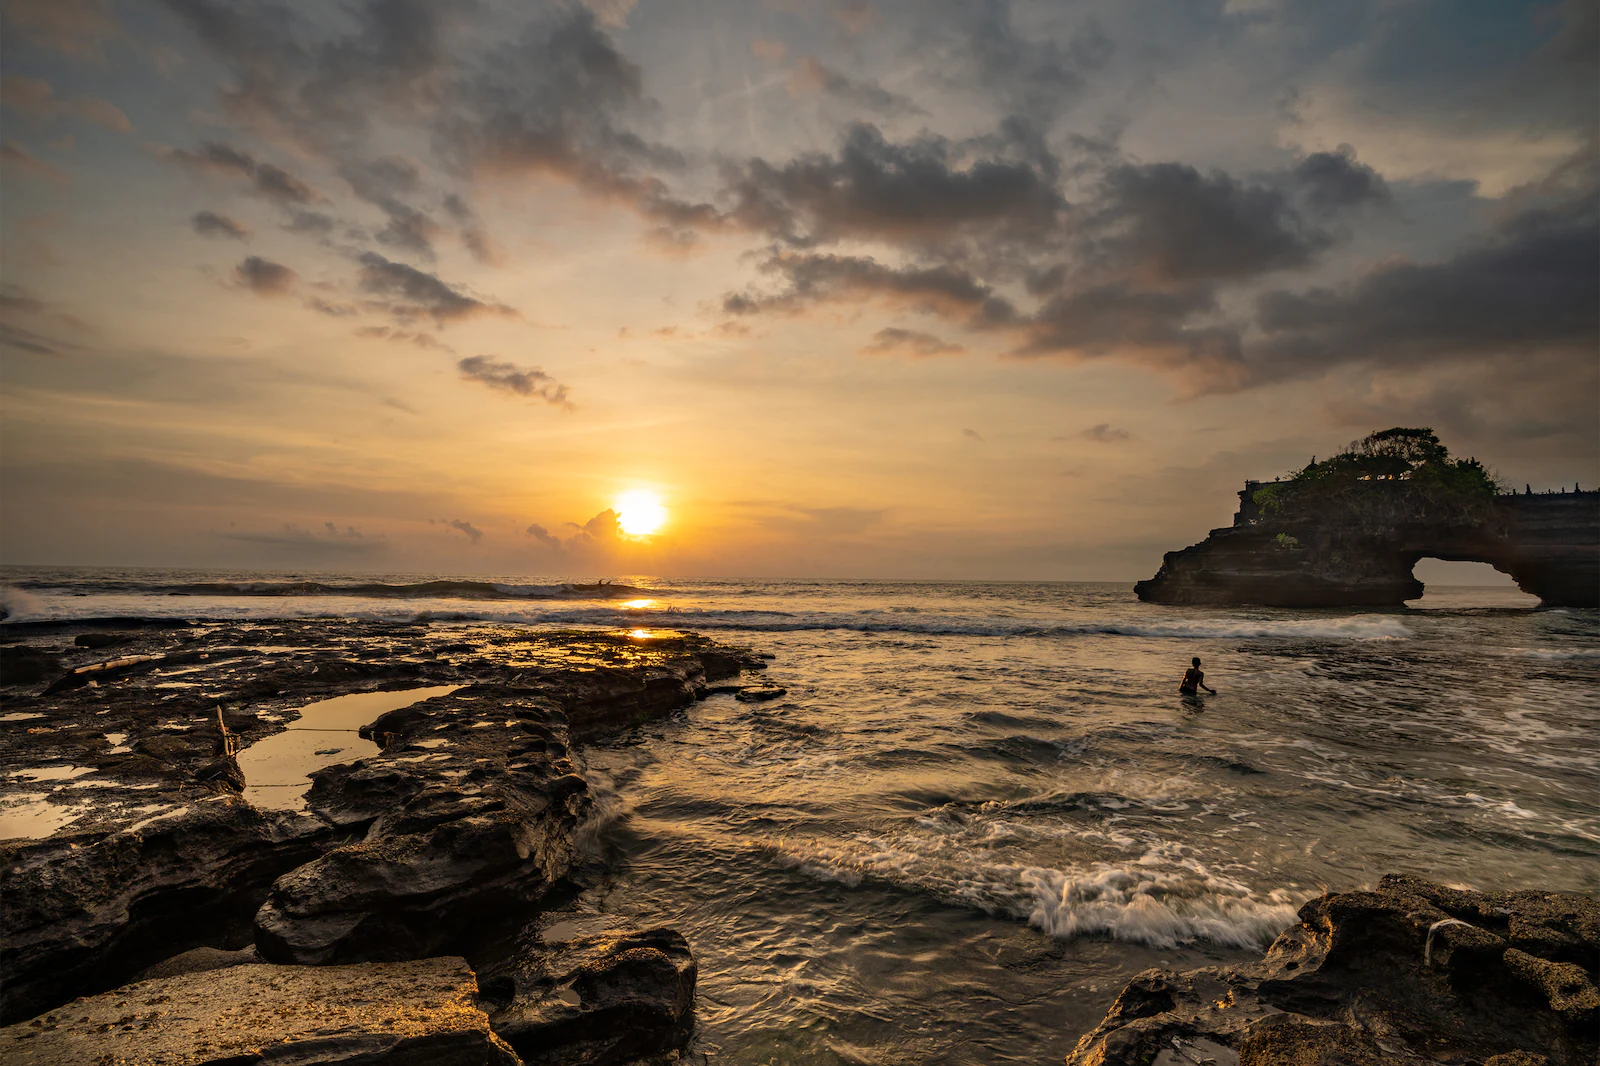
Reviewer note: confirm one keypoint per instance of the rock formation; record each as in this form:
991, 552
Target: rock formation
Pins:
1334, 557
1412, 972
446, 832
420, 1013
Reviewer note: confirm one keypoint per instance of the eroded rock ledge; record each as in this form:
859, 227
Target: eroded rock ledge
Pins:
451, 827
1412, 972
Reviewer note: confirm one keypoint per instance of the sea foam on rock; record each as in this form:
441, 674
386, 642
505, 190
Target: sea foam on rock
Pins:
1413, 972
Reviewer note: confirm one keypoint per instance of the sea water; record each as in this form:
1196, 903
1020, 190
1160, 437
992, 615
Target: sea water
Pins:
981, 808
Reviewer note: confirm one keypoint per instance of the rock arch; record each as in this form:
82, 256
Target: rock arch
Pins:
1549, 543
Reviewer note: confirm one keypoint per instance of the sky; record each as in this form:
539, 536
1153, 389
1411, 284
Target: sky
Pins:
856, 288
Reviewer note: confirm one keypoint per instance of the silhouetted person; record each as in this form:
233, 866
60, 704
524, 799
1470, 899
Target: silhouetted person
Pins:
1194, 680
1527, 490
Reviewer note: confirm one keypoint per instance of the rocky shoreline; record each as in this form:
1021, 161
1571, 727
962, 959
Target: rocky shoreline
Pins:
425, 902
450, 839
1409, 973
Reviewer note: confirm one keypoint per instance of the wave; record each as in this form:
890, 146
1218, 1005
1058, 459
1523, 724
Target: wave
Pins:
1156, 899
450, 608
445, 589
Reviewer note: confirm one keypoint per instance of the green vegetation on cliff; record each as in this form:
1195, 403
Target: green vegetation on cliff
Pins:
1394, 475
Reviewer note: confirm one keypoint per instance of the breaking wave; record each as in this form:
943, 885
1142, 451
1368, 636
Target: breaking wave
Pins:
444, 589
1155, 899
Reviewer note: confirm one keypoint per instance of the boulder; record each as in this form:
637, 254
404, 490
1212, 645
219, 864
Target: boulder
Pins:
1411, 972
419, 1013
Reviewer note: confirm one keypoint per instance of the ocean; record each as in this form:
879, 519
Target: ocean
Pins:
981, 807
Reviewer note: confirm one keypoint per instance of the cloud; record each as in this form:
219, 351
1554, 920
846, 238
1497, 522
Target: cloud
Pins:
1333, 180
891, 340
461, 525
972, 434
1166, 223
73, 27
815, 522
292, 539
544, 536
36, 99
473, 235
531, 381
13, 154
268, 181
557, 101
210, 224
263, 276
810, 75
812, 279
1105, 433
1531, 285
917, 192
412, 292
381, 182
290, 81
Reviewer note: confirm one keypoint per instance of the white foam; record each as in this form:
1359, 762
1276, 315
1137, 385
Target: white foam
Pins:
1161, 898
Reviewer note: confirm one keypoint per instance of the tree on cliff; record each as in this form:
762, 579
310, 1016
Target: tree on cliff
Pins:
1396, 474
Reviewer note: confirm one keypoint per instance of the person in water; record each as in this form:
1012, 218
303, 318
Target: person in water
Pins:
1194, 680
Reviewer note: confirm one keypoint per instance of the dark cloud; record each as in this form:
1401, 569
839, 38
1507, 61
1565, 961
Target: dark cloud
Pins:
544, 536
1166, 223
211, 224
263, 276
972, 434
1155, 327
1532, 285
266, 180
412, 293
811, 75
329, 541
73, 27
35, 98
1105, 433
976, 45
811, 279
559, 101
473, 235
893, 340
26, 340
325, 93
310, 222
13, 154
381, 182
530, 381
1335, 179
918, 192
330, 308
461, 525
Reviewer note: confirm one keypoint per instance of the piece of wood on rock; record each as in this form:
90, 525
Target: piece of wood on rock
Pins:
420, 1013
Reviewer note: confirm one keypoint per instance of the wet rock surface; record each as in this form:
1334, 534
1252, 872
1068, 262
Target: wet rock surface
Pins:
1412, 972
451, 822
418, 1013
603, 997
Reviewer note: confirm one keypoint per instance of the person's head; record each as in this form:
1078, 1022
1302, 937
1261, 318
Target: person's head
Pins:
1196, 660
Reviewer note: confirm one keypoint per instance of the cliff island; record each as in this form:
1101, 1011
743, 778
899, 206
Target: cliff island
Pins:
1346, 532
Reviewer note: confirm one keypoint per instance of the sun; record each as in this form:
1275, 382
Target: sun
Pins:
639, 512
